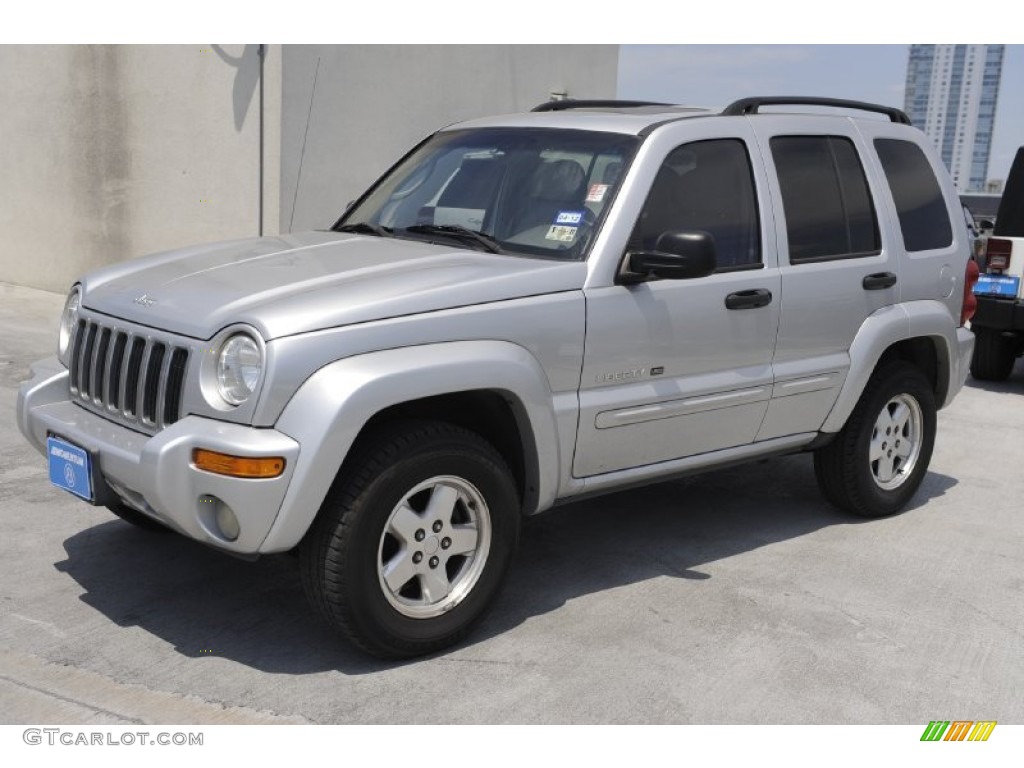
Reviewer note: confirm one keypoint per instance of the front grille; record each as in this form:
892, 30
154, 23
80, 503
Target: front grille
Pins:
126, 376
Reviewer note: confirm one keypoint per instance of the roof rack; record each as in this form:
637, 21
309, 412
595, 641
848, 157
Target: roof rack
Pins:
751, 106
558, 105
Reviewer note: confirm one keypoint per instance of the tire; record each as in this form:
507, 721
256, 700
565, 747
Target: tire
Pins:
413, 541
136, 518
868, 471
994, 355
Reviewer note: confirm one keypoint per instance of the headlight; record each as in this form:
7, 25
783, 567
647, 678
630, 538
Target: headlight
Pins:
67, 323
239, 365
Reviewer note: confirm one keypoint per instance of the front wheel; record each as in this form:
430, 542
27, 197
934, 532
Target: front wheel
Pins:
878, 460
412, 543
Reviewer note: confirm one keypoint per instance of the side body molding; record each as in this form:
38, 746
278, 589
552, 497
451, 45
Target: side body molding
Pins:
327, 412
892, 324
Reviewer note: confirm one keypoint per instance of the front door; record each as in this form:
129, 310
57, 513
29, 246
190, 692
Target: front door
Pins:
674, 368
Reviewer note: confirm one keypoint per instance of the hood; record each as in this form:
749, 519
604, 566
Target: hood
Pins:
303, 282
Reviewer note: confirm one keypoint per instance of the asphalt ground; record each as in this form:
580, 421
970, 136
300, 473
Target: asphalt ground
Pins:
738, 596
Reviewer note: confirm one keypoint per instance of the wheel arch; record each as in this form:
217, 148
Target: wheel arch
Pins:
497, 416
497, 382
921, 333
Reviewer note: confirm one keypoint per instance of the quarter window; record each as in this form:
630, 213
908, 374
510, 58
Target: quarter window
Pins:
828, 207
915, 190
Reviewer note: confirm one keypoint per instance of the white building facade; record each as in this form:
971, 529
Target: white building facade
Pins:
114, 151
951, 95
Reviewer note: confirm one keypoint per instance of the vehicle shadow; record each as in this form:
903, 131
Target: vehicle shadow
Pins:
205, 603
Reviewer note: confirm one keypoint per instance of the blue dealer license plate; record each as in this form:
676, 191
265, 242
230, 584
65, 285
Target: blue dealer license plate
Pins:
997, 285
69, 467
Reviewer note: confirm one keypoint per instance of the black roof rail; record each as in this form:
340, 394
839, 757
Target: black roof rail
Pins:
558, 105
750, 106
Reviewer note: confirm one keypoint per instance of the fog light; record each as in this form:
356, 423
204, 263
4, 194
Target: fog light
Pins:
225, 518
238, 466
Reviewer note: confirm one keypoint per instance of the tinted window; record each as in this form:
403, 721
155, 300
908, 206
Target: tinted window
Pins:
708, 186
915, 190
829, 214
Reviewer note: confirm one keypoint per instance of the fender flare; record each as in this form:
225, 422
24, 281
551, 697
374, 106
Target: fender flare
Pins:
884, 328
931, 320
327, 413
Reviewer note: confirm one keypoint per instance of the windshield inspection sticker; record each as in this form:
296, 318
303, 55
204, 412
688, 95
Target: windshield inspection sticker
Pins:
561, 234
596, 193
574, 218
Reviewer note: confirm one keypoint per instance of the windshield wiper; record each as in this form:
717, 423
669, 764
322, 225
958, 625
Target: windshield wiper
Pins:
489, 243
365, 228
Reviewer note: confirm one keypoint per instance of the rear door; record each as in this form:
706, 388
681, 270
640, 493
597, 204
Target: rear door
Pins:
836, 263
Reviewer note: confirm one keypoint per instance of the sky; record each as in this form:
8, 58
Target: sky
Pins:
714, 75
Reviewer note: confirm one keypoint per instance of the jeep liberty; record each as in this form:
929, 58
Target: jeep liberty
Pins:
524, 310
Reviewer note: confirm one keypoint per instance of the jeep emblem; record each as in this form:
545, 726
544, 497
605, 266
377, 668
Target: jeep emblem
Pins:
144, 301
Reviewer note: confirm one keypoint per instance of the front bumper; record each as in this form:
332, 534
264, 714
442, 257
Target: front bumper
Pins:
155, 474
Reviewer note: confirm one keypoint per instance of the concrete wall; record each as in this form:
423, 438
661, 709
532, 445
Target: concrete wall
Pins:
372, 103
110, 152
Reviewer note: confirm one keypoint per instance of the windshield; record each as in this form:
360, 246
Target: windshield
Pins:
528, 191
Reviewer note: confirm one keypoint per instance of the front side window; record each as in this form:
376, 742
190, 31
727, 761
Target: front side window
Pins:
706, 186
536, 192
829, 212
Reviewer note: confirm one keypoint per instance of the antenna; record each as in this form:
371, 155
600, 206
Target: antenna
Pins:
302, 154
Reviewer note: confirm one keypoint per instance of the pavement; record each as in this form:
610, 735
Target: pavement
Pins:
738, 596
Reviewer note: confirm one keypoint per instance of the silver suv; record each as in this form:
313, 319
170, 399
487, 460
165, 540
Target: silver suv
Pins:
524, 310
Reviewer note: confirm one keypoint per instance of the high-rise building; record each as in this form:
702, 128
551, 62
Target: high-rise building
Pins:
951, 95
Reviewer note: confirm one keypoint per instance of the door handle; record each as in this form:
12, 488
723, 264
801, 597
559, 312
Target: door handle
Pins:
758, 297
879, 281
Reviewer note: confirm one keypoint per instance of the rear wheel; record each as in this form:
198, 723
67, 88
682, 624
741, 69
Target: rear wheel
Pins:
994, 354
412, 543
878, 460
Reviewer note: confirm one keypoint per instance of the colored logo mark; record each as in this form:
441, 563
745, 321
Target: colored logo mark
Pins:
958, 730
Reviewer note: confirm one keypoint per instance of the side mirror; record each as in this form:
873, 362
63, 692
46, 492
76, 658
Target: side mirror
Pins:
985, 224
677, 256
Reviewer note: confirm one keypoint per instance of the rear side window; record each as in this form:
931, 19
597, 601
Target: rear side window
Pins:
915, 190
829, 213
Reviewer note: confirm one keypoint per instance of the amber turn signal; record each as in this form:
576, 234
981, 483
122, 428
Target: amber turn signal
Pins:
237, 466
